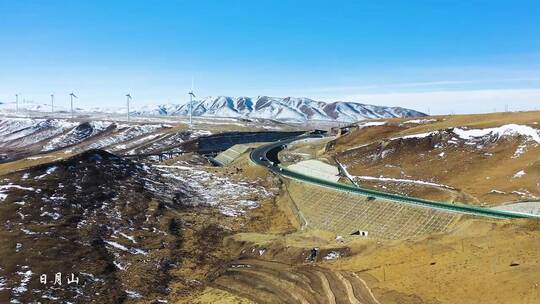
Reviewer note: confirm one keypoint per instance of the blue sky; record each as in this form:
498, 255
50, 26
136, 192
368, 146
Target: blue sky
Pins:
445, 56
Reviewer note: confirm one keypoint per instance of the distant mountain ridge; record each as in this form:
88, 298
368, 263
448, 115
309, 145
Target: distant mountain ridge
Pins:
284, 109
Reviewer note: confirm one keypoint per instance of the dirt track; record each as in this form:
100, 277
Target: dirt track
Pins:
273, 282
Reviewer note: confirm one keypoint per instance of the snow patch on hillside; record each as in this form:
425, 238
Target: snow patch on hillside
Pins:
499, 132
401, 180
23, 131
232, 198
420, 121
371, 124
124, 133
285, 109
519, 174
471, 136
78, 134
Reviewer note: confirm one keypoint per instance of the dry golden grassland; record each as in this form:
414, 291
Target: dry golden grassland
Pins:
482, 261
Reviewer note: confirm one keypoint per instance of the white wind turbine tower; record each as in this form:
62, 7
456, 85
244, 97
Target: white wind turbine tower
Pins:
17, 102
128, 99
71, 95
52, 103
191, 96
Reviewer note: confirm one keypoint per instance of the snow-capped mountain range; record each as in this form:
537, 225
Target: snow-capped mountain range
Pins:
291, 109
283, 109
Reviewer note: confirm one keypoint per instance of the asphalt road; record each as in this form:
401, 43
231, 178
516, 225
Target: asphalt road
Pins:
266, 155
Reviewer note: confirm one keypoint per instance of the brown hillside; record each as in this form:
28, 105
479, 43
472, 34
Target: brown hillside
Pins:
430, 159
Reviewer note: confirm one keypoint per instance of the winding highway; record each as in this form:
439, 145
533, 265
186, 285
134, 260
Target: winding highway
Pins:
267, 156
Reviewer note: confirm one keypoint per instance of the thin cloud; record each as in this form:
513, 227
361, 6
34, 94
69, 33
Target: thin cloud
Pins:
420, 84
457, 101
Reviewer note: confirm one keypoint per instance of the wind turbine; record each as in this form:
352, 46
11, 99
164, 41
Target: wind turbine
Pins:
128, 97
17, 102
52, 103
191, 96
71, 95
